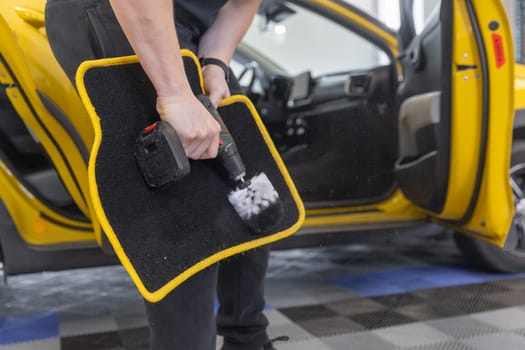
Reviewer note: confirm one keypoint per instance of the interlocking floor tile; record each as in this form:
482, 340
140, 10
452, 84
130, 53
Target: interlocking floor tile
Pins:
503, 341
97, 341
423, 312
511, 298
45, 344
399, 300
309, 312
357, 341
309, 344
507, 319
75, 324
355, 306
281, 325
416, 334
326, 326
101, 309
380, 319
442, 346
135, 338
516, 284
462, 327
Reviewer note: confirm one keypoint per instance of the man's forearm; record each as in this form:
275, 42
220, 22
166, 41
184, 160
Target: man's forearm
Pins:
151, 32
221, 39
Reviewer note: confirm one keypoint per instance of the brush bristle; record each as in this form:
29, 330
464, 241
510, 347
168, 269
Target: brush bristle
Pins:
257, 204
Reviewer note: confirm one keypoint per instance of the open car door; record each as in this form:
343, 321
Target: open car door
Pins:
455, 116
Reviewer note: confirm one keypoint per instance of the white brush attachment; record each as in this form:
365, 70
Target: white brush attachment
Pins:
257, 203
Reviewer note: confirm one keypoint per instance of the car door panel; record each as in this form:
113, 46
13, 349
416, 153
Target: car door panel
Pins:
455, 156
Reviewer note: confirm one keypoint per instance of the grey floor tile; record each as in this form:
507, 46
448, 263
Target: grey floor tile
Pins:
507, 319
462, 327
281, 325
309, 344
503, 341
46, 344
296, 292
295, 332
73, 326
455, 345
416, 334
357, 341
327, 326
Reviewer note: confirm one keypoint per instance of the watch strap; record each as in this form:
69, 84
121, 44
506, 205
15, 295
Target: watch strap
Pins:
204, 61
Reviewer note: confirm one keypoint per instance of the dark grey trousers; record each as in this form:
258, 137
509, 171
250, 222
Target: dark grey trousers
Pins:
80, 30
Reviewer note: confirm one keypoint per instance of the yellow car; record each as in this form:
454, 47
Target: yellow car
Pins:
379, 128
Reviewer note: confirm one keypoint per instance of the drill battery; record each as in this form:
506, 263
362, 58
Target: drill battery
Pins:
160, 155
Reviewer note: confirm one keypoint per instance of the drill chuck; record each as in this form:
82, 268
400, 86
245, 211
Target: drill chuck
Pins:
231, 161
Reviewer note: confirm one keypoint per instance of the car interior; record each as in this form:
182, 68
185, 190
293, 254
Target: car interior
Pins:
338, 131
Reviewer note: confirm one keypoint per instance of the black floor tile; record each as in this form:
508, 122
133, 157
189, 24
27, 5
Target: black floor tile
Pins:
474, 304
508, 299
135, 338
304, 313
99, 341
381, 319
356, 306
399, 300
425, 312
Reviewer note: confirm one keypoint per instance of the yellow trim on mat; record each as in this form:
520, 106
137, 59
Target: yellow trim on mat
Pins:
157, 295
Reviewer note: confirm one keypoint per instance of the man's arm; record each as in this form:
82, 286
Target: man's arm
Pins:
220, 41
151, 32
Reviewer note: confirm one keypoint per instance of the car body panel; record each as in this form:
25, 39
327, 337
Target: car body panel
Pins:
493, 209
519, 87
30, 77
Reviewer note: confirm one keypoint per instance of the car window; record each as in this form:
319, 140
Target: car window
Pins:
306, 41
517, 16
387, 11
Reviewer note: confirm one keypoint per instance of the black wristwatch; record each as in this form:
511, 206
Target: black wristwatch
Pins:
216, 62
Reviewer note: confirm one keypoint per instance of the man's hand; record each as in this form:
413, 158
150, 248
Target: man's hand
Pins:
215, 83
196, 128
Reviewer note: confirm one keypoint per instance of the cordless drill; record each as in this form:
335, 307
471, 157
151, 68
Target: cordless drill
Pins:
162, 159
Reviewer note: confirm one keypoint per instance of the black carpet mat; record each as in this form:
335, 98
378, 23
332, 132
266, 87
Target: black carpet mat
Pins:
167, 235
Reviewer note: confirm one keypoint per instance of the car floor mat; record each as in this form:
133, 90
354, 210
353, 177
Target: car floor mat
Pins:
163, 237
